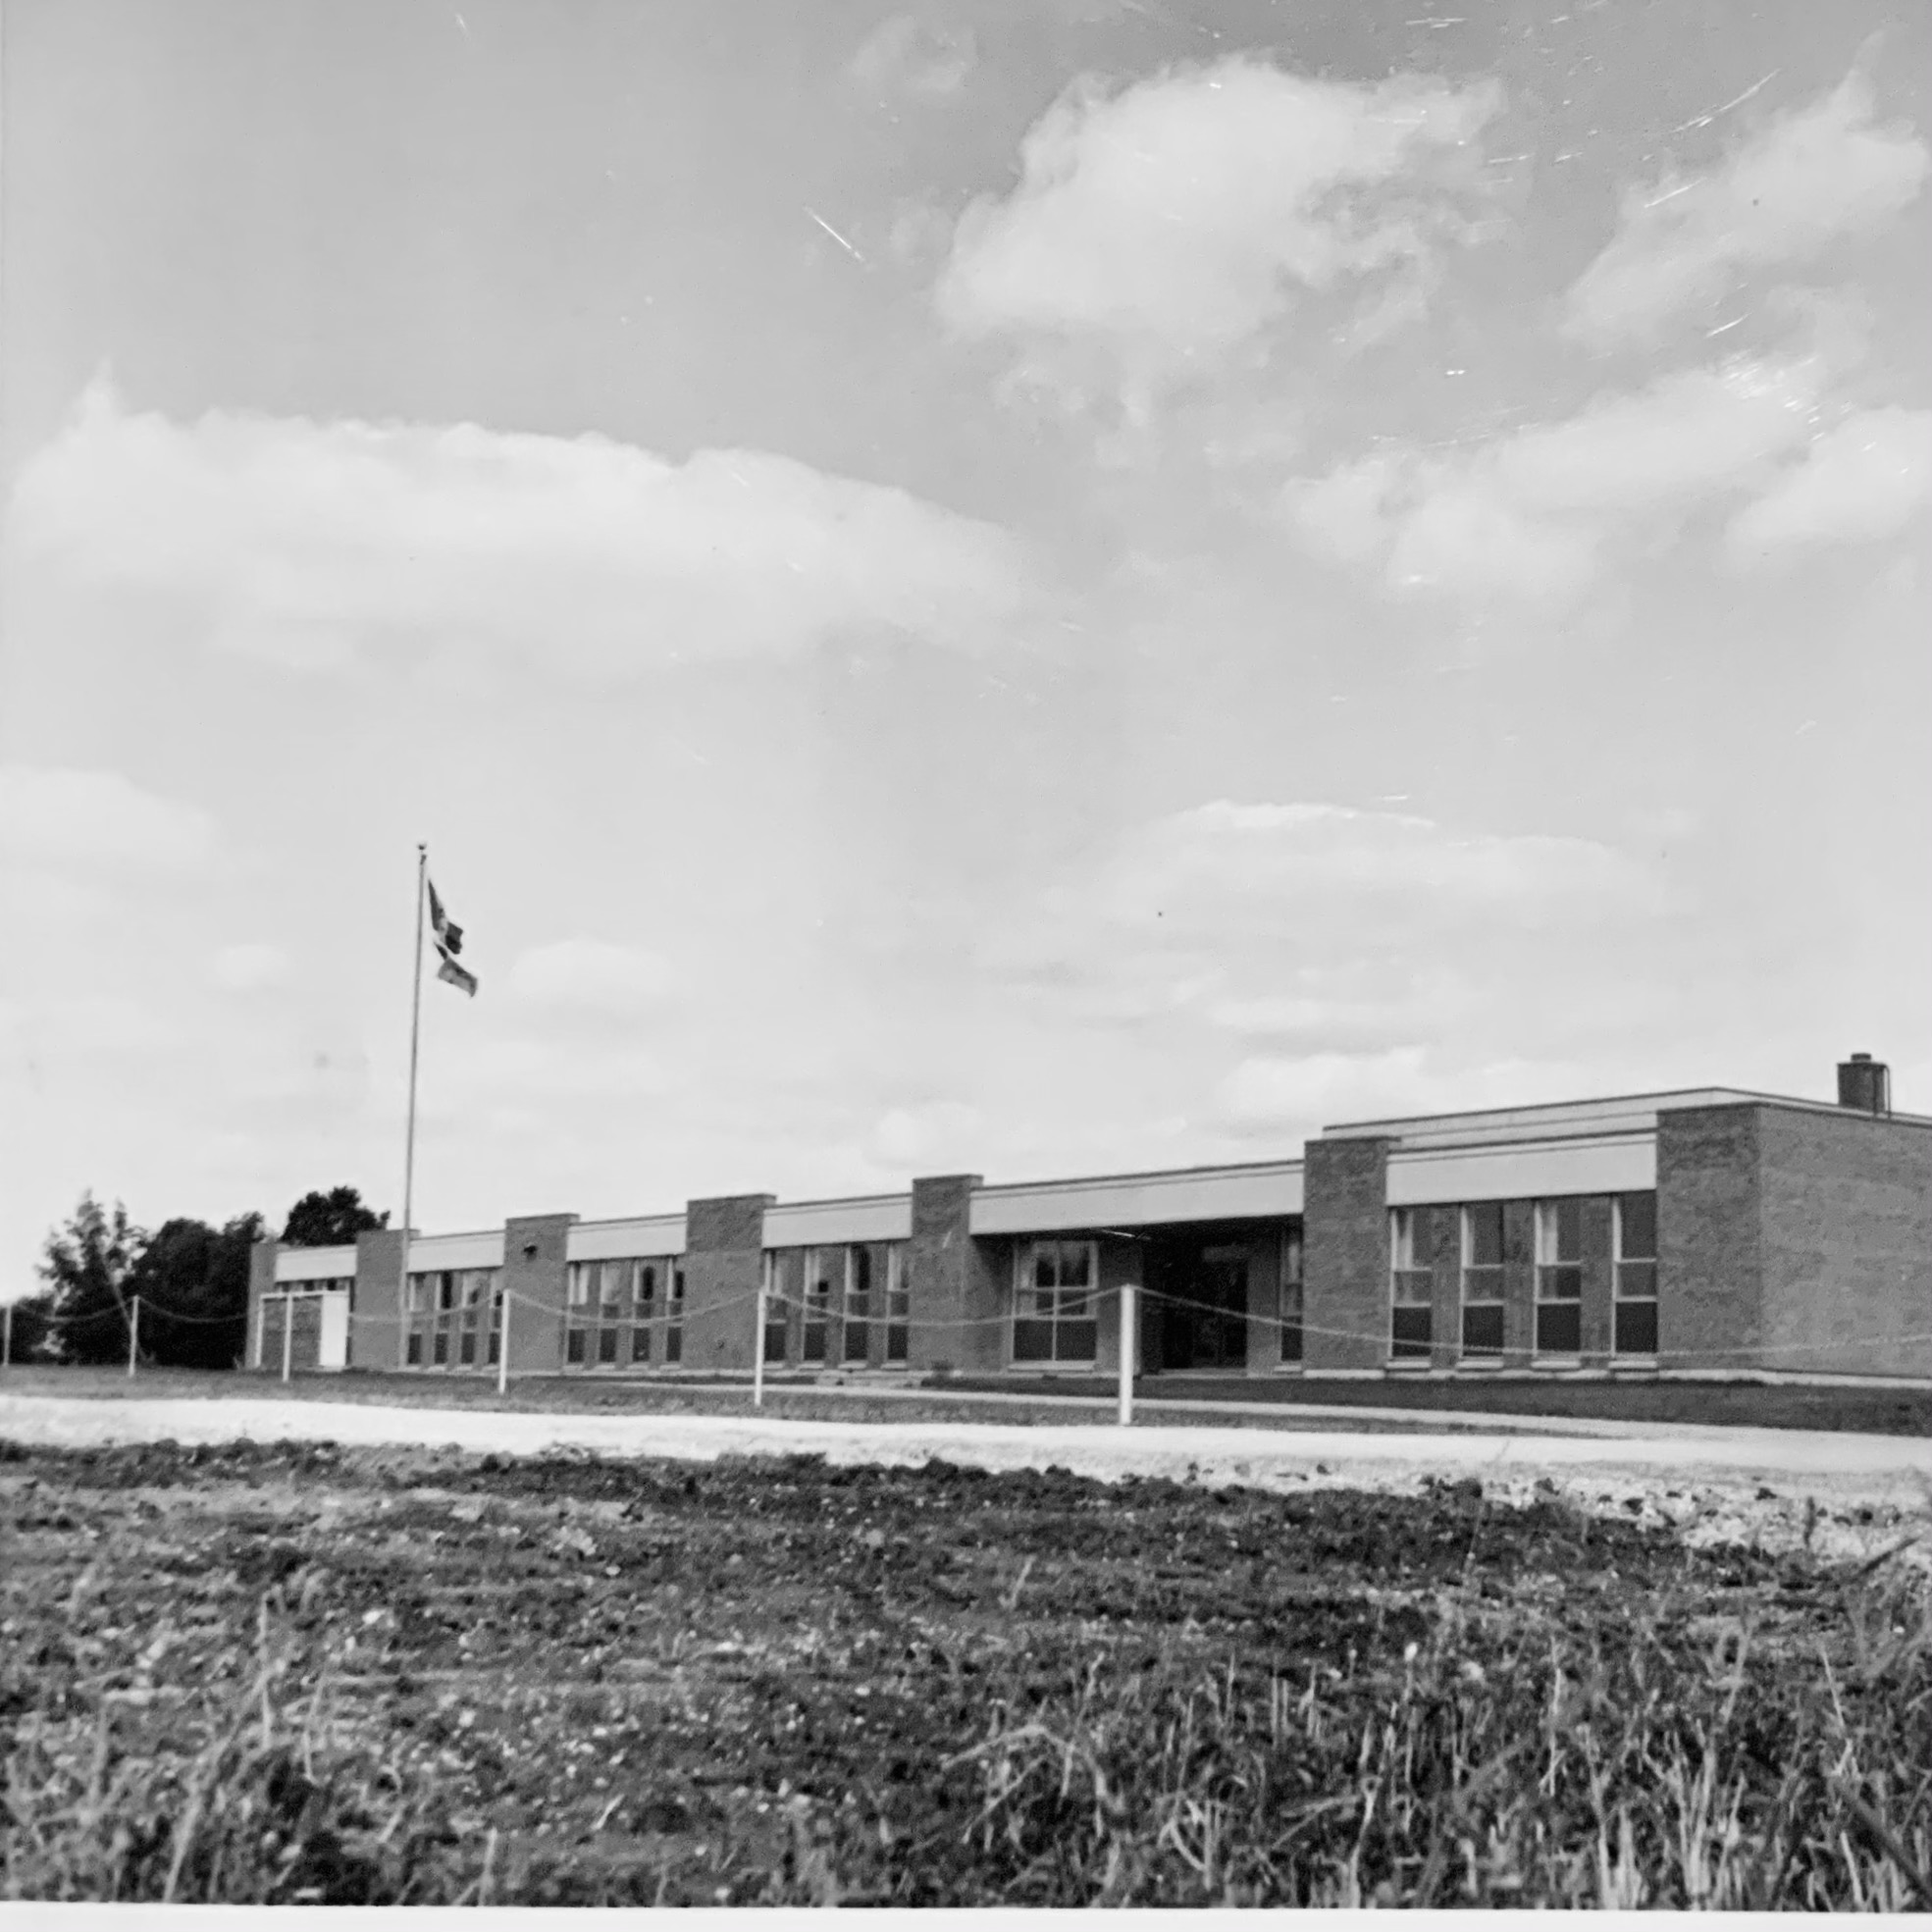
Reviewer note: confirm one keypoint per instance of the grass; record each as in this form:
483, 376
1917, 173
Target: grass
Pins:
1842, 1408
290, 1673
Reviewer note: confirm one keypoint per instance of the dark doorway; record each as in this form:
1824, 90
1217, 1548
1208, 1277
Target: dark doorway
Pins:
1199, 1304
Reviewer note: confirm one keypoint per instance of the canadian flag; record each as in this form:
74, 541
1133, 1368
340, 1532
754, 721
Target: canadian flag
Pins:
448, 943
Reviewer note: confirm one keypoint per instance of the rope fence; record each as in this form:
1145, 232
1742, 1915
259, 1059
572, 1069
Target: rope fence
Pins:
774, 1305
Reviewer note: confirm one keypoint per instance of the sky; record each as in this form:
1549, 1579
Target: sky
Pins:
1030, 588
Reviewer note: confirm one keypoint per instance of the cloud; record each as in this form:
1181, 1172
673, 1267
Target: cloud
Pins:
1267, 1095
1536, 513
1859, 482
313, 543
935, 1133
1818, 174
249, 968
590, 977
903, 55
1319, 922
1171, 225
1223, 867
54, 815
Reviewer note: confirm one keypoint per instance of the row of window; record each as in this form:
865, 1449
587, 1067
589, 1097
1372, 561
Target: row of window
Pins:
455, 1317
1473, 1234
624, 1313
840, 1295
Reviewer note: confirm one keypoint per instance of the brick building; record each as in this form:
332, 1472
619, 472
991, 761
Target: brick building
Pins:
1703, 1232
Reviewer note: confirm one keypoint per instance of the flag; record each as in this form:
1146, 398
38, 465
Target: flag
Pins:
448, 943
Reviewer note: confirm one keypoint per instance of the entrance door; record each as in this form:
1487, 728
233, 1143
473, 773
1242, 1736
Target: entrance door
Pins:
1204, 1311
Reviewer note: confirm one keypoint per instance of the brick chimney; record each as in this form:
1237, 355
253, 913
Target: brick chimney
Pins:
1864, 1084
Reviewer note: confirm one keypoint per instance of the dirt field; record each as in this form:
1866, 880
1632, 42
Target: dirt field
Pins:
297, 1672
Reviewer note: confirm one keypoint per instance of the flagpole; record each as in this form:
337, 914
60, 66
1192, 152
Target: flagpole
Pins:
409, 1140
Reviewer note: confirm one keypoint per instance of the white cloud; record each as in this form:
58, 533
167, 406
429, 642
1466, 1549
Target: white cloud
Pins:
1861, 480
1817, 174
54, 815
1268, 1095
313, 543
1225, 866
1169, 225
590, 975
249, 968
905, 55
933, 1135
1536, 513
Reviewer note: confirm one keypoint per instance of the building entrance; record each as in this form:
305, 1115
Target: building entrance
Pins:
1199, 1305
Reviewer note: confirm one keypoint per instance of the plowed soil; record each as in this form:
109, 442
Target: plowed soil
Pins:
298, 1673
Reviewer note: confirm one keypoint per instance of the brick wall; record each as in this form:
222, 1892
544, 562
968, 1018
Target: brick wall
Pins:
723, 1257
1710, 1214
955, 1280
261, 1280
1846, 1243
538, 1280
1345, 1255
375, 1338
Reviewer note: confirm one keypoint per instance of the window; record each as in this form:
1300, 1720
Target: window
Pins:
415, 1299
578, 1278
1291, 1295
674, 1329
445, 1290
415, 1351
646, 1291
640, 1343
573, 1346
897, 1304
857, 1337
1053, 1302
439, 1353
817, 1303
1482, 1279
466, 1349
1636, 1274
1411, 1284
1559, 1277
774, 1305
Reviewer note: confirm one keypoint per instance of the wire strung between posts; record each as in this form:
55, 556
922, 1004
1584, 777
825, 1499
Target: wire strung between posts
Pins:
778, 1301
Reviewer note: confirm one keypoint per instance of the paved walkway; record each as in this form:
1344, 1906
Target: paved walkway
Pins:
1895, 1467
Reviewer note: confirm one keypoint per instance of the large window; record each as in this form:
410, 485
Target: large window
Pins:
857, 1327
674, 1317
775, 1326
897, 1304
819, 1286
1481, 1279
1411, 1284
1053, 1302
644, 1309
1291, 1295
1636, 1274
1559, 1277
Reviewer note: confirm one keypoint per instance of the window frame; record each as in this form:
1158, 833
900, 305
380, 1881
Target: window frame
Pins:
898, 1303
1291, 1296
1620, 1261
1559, 1269
1070, 1317
1407, 1309
1488, 1276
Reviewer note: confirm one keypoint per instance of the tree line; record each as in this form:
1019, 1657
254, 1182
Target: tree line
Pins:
191, 1280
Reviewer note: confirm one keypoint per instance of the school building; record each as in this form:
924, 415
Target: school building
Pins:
1695, 1232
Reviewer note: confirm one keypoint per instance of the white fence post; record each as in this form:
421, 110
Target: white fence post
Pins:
287, 1333
757, 1339
1128, 1339
133, 1333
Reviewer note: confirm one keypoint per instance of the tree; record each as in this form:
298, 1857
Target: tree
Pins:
194, 1283
30, 1330
85, 1266
329, 1220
